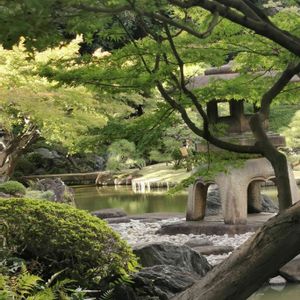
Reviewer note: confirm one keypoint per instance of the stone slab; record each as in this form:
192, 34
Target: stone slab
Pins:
198, 242
109, 213
213, 250
209, 228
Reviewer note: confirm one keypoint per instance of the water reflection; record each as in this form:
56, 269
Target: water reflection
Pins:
94, 198
290, 292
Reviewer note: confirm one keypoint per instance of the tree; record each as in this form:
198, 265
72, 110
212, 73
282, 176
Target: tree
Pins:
212, 29
32, 107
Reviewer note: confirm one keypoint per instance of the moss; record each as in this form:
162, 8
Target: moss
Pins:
12, 188
60, 237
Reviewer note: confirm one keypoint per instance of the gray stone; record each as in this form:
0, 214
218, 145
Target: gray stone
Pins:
213, 250
278, 280
163, 282
117, 220
208, 228
151, 254
198, 242
291, 270
268, 205
213, 202
109, 213
46, 153
3, 195
169, 269
62, 192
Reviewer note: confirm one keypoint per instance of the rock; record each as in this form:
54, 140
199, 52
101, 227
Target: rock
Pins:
268, 205
46, 153
291, 270
62, 192
109, 213
213, 250
3, 195
198, 242
213, 203
168, 270
214, 207
117, 220
164, 253
161, 282
278, 280
208, 228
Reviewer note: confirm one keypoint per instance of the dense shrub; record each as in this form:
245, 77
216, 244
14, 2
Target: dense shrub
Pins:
57, 237
12, 188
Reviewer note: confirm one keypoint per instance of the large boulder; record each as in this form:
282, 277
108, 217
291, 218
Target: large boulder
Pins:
160, 282
62, 192
168, 270
152, 254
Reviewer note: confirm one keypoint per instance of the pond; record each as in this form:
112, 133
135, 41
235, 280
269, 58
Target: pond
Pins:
290, 292
92, 198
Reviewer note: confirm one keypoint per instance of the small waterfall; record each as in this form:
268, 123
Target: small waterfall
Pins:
144, 186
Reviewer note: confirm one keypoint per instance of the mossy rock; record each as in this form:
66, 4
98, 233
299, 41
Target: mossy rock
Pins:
60, 237
12, 188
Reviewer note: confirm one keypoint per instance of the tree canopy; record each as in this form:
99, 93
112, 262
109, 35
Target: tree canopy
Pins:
177, 34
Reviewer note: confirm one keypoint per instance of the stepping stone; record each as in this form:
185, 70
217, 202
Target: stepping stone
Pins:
213, 250
198, 242
109, 213
278, 280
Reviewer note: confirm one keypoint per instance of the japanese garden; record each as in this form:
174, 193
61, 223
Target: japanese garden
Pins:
149, 150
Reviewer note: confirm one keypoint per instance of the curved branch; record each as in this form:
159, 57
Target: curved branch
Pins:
213, 140
262, 27
276, 89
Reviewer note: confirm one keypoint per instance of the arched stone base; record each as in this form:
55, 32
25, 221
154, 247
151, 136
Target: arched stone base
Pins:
234, 192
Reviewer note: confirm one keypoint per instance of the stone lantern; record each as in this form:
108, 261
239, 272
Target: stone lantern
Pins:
240, 187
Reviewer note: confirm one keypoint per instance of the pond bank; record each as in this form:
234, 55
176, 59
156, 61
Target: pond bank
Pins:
154, 176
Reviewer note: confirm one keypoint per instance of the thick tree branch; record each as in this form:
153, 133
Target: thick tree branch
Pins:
251, 265
188, 29
213, 140
276, 89
261, 27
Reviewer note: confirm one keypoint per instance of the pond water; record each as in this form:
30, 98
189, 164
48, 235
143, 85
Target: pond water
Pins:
93, 198
289, 292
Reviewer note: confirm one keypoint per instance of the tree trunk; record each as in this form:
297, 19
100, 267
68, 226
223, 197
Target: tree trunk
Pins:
276, 158
253, 263
11, 148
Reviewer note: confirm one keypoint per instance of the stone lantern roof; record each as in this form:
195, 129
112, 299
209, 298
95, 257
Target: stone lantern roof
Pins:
237, 121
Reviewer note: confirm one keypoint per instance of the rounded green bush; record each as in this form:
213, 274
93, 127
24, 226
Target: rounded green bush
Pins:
12, 188
60, 237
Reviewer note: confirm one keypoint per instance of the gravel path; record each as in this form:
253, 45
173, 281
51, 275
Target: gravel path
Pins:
137, 232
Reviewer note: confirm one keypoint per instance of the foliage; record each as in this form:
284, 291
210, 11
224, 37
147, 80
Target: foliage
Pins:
211, 163
61, 114
47, 195
20, 284
58, 237
122, 154
12, 188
